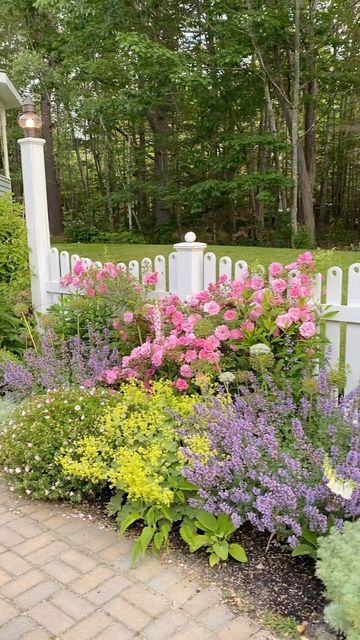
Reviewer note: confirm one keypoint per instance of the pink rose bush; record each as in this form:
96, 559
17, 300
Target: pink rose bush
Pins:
214, 330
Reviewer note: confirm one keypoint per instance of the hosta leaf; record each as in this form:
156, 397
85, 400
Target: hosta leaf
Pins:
303, 550
206, 521
238, 552
213, 560
221, 549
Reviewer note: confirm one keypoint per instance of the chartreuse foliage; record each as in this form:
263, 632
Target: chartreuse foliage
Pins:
338, 566
136, 450
14, 269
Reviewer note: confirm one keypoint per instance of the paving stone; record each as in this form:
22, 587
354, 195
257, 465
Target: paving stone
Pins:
202, 600
192, 631
50, 617
152, 603
7, 516
108, 590
12, 563
91, 580
15, 629
125, 612
238, 629
70, 526
116, 550
84, 535
117, 631
216, 617
148, 568
24, 528
40, 514
54, 522
78, 560
46, 553
167, 577
100, 542
166, 625
29, 546
9, 538
21, 584
7, 611
37, 634
89, 628
4, 577
60, 571
37, 594
73, 605
182, 591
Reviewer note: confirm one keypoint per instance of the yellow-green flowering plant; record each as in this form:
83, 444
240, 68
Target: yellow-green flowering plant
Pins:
136, 451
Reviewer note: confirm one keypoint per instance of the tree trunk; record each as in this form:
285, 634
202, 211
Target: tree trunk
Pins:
159, 124
52, 186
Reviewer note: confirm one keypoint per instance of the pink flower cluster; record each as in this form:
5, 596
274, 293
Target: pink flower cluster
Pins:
185, 340
91, 280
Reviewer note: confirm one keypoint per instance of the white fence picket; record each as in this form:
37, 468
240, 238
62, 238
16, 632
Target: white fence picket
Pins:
122, 266
146, 267
172, 273
54, 263
209, 269
241, 269
97, 264
64, 263
134, 269
73, 260
160, 268
87, 263
352, 351
225, 267
333, 327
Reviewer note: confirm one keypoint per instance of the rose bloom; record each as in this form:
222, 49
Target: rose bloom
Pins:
181, 385
275, 269
257, 283
306, 258
248, 326
229, 315
283, 321
236, 334
128, 317
237, 287
150, 278
279, 285
307, 329
212, 308
78, 268
222, 332
186, 371
294, 314
157, 358
190, 356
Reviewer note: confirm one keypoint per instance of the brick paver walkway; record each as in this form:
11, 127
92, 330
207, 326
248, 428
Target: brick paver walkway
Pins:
68, 578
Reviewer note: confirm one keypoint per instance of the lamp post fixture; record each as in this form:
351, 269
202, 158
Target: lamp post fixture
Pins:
29, 120
35, 200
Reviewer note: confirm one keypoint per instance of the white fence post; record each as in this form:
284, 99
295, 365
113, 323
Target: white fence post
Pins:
36, 211
189, 265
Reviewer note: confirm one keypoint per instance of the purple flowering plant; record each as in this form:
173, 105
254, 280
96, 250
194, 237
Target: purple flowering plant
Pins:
60, 363
261, 458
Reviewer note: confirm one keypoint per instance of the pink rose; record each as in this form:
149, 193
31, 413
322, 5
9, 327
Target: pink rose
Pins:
256, 283
111, 375
306, 258
186, 371
222, 332
307, 329
90, 292
229, 315
190, 356
211, 343
248, 326
203, 296
157, 358
151, 278
236, 334
237, 288
223, 278
212, 308
78, 268
116, 324
128, 317
283, 321
294, 314
177, 318
181, 385
275, 269
279, 285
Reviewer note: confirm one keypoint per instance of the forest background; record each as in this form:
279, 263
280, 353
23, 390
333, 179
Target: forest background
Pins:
238, 119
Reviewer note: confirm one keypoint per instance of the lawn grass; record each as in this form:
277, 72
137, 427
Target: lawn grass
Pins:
261, 255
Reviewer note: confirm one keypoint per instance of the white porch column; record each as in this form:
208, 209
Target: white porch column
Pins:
189, 265
37, 221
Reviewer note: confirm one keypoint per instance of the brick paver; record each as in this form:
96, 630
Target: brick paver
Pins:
64, 577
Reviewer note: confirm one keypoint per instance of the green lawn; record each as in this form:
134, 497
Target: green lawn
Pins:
262, 255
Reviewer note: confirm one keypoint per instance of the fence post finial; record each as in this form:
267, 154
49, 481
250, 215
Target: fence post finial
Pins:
189, 265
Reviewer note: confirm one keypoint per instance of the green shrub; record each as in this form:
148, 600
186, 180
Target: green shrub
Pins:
33, 436
338, 566
14, 269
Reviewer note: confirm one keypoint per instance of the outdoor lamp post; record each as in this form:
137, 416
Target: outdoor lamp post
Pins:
29, 120
35, 200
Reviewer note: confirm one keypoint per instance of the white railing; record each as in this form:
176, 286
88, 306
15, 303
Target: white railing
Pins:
189, 269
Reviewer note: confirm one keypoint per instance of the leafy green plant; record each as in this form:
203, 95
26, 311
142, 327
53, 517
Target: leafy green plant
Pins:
284, 627
10, 329
14, 267
338, 566
308, 544
214, 536
33, 435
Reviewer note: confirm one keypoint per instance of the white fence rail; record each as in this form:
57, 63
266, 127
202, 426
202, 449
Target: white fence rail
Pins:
189, 270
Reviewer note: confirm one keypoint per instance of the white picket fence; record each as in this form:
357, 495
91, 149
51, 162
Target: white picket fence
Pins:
189, 270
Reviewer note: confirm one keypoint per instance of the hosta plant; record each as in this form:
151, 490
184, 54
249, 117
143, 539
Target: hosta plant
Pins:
205, 530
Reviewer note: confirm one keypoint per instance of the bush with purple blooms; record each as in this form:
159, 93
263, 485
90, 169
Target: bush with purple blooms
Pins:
59, 364
275, 463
